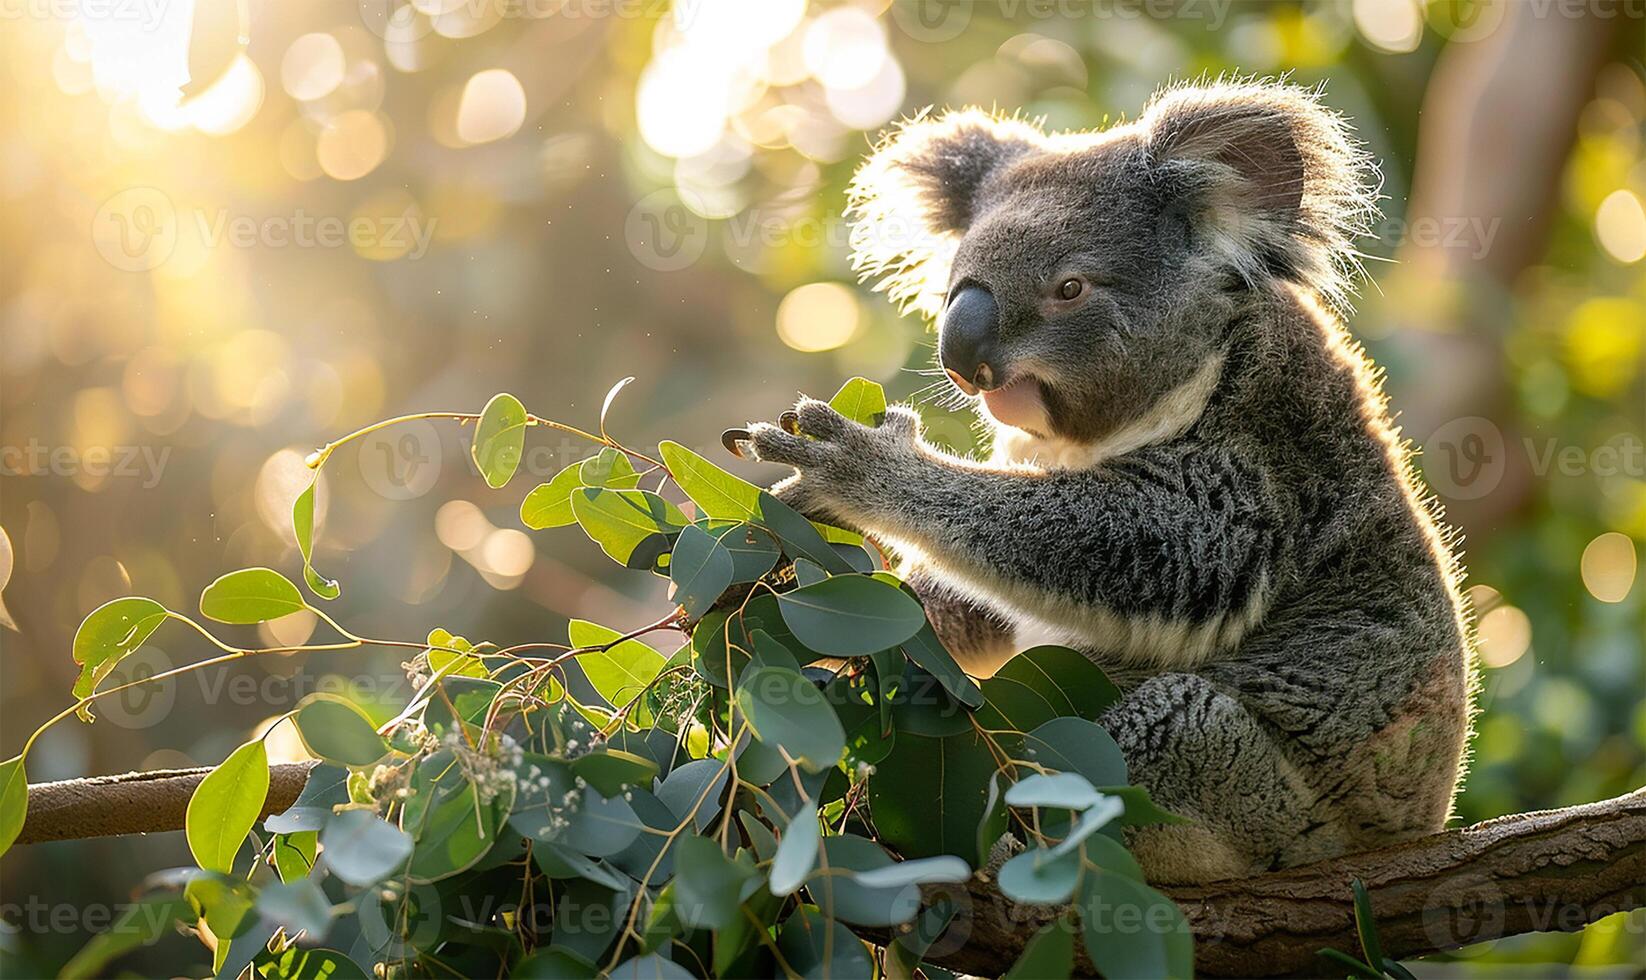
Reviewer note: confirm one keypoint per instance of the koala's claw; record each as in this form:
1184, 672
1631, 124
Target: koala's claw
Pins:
819, 419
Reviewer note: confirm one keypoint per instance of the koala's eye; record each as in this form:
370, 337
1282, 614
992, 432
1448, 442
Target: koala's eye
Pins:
1070, 289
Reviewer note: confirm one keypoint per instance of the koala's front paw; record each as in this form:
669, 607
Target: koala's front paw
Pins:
844, 468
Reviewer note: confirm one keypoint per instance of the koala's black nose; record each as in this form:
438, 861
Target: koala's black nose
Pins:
967, 337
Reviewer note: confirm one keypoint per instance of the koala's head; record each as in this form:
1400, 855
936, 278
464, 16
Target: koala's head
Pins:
1079, 278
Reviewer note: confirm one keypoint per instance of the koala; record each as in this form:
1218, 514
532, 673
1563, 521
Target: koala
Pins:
1194, 477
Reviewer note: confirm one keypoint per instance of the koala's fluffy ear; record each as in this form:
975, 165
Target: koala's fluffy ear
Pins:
1273, 178
918, 193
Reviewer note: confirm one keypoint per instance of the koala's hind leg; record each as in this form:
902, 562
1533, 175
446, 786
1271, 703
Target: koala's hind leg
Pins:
1202, 755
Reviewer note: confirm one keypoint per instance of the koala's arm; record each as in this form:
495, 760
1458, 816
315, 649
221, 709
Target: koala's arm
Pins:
1184, 534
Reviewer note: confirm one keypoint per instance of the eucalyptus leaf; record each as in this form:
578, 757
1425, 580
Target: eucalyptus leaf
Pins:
1043, 683
786, 710
851, 615
631, 526
337, 730
251, 595
1134, 931
620, 673
1038, 877
819, 948
1063, 789
302, 522
608, 468
700, 569
946, 869
862, 401
499, 439
1049, 955
930, 794
550, 504
107, 635
843, 897
754, 550
14, 801
707, 884
300, 906
363, 849
716, 493
796, 853
225, 806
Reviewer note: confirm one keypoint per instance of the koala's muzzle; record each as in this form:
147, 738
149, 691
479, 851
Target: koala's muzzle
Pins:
967, 340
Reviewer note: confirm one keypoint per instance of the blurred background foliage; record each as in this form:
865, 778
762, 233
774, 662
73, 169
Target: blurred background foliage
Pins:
234, 230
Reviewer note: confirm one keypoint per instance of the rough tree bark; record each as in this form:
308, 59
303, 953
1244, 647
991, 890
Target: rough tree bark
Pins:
1548, 870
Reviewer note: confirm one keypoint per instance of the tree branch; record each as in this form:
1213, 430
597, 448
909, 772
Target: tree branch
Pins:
135, 802
1528, 872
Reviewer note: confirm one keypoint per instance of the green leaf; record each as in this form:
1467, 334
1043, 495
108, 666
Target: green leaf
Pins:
302, 522
786, 710
862, 401
796, 853
294, 854
1048, 956
1111, 855
608, 468
851, 615
1100, 815
337, 730
563, 862
930, 794
651, 967
929, 653
225, 806
362, 849
701, 569
1078, 746
107, 635
300, 906
843, 897
251, 595
819, 948
1043, 683
325, 787
1064, 789
707, 884
610, 771
1132, 930
451, 827
1038, 877
994, 820
649, 852
300, 963
1365, 924
716, 493
14, 801
801, 538
631, 526
618, 674
754, 550
945, 869
552, 964
550, 504
499, 438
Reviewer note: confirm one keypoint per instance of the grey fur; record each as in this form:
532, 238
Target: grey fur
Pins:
1219, 512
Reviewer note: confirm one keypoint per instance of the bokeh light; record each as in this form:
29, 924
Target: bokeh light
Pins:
1608, 566
818, 316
